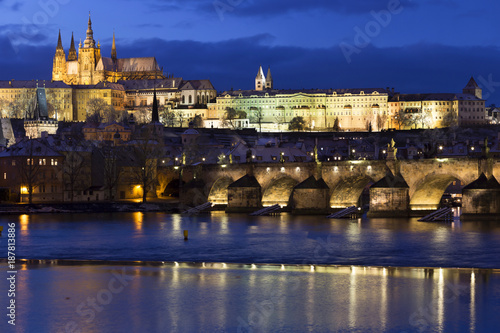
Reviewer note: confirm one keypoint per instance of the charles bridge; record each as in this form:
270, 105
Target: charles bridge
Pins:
418, 185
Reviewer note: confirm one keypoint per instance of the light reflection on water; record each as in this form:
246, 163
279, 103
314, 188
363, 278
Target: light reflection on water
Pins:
240, 238
190, 298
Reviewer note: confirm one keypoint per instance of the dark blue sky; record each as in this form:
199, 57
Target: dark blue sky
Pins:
412, 45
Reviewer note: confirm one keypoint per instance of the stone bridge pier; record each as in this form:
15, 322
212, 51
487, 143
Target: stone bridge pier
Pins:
394, 186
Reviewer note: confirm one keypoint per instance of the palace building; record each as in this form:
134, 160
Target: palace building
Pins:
89, 67
352, 109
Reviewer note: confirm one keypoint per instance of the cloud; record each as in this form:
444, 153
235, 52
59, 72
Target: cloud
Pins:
265, 8
420, 67
149, 25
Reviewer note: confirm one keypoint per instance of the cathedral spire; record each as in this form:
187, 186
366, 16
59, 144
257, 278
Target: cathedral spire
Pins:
72, 50
155, 117
89, 42
59, 42
113, 48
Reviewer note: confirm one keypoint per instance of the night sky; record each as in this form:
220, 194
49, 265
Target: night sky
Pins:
412, 45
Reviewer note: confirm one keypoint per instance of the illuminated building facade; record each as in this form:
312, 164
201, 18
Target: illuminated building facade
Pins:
356, 109
89, 67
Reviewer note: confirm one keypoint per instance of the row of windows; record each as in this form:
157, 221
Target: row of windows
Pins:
41, 161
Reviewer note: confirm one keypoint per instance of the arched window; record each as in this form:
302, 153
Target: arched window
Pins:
190, 99
183, 99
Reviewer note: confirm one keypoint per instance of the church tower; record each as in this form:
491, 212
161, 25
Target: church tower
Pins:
88, 57
472, 88
72, 50
59, 66
113, 50
269, 79
260, 80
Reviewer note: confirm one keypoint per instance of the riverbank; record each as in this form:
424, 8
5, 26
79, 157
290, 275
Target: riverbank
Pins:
93, 207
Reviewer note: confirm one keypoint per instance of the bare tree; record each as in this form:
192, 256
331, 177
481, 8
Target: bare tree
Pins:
146, 153
180, 117
231, 115
143, 115
381, 121
29, 167
76, 177
167, 117
4, 108
98, 111
424, 119
450, 118
256, 116
22, 104
112, 170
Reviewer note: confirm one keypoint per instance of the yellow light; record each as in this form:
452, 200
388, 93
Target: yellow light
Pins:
176, 167
137, 187
223, 165
24, 190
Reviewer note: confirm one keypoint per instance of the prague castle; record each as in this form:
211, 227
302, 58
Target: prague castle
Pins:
89, 67
123, 83
131, 83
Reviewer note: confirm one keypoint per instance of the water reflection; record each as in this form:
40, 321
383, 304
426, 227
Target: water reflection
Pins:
217, 297
138, 220
24, 221
240, 238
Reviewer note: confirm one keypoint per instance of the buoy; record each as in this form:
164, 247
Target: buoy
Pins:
185, 235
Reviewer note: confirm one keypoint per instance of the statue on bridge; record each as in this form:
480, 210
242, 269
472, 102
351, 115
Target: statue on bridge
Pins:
392, 150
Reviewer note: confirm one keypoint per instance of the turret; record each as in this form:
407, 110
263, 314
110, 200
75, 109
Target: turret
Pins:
89, 41
473, 88
269, 79
260, 80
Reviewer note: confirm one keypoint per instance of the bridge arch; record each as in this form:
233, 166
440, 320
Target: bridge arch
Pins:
218, 191
347, 191
427, 192
279, 191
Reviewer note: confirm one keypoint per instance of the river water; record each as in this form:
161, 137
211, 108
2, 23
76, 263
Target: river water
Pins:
252, 274
283, 239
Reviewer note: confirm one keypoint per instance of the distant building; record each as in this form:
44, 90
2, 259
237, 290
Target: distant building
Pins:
106, 132
271, 109
32, 166
436, 110
36, 120
88, 67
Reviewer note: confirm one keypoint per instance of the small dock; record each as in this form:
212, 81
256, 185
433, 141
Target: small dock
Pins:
271, 210
198, 209
348, 212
